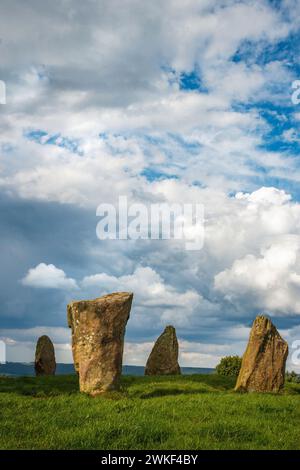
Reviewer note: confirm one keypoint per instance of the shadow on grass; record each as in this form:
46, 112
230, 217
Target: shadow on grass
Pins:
214, 381
163, 392
222, 432
40, 387
292, 389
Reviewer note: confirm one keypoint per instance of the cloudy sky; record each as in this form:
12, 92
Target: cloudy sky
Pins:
180, 101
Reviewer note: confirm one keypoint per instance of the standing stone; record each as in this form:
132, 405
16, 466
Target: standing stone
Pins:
98, 329
44, 363
163, 359
263, 364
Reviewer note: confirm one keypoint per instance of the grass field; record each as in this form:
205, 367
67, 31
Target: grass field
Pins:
187, 412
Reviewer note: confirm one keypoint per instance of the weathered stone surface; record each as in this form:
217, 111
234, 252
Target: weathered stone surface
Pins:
163, 359
44, 357
98, 329
263, 364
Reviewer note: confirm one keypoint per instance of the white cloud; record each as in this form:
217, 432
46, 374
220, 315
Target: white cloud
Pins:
21, 343
123, 87
128, 90
60, 335
268, 196
150, 289
48, 276
155, 301
136, 354
250, 257
270, 282
191, 354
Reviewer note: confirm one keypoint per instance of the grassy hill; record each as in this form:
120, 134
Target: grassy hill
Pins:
187, 412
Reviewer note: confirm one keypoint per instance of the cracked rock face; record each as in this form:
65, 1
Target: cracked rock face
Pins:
163, 359
44, 363
98, 329
263, 364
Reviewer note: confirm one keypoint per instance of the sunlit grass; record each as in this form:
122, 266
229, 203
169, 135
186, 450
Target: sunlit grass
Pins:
187, 412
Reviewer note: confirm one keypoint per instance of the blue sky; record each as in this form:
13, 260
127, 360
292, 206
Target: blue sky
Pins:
175, 102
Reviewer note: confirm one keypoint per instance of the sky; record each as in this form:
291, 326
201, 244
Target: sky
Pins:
180, 101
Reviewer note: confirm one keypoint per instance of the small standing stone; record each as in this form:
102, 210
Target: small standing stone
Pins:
263, 364
98, 329
163, 359
44, 357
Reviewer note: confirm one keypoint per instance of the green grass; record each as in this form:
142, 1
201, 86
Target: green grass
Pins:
187, 412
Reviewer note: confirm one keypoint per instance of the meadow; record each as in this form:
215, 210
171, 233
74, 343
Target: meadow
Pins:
182, 412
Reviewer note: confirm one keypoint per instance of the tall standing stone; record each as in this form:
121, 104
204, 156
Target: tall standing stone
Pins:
163, 359
263, 364
98, 329
44, 363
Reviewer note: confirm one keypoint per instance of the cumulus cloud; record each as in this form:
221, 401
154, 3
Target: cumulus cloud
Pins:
249, 264
154, 299
266, 196
270, 282
115, 118
21, 343
151, 291
48, 276
265, 269
131, 89
191, 354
